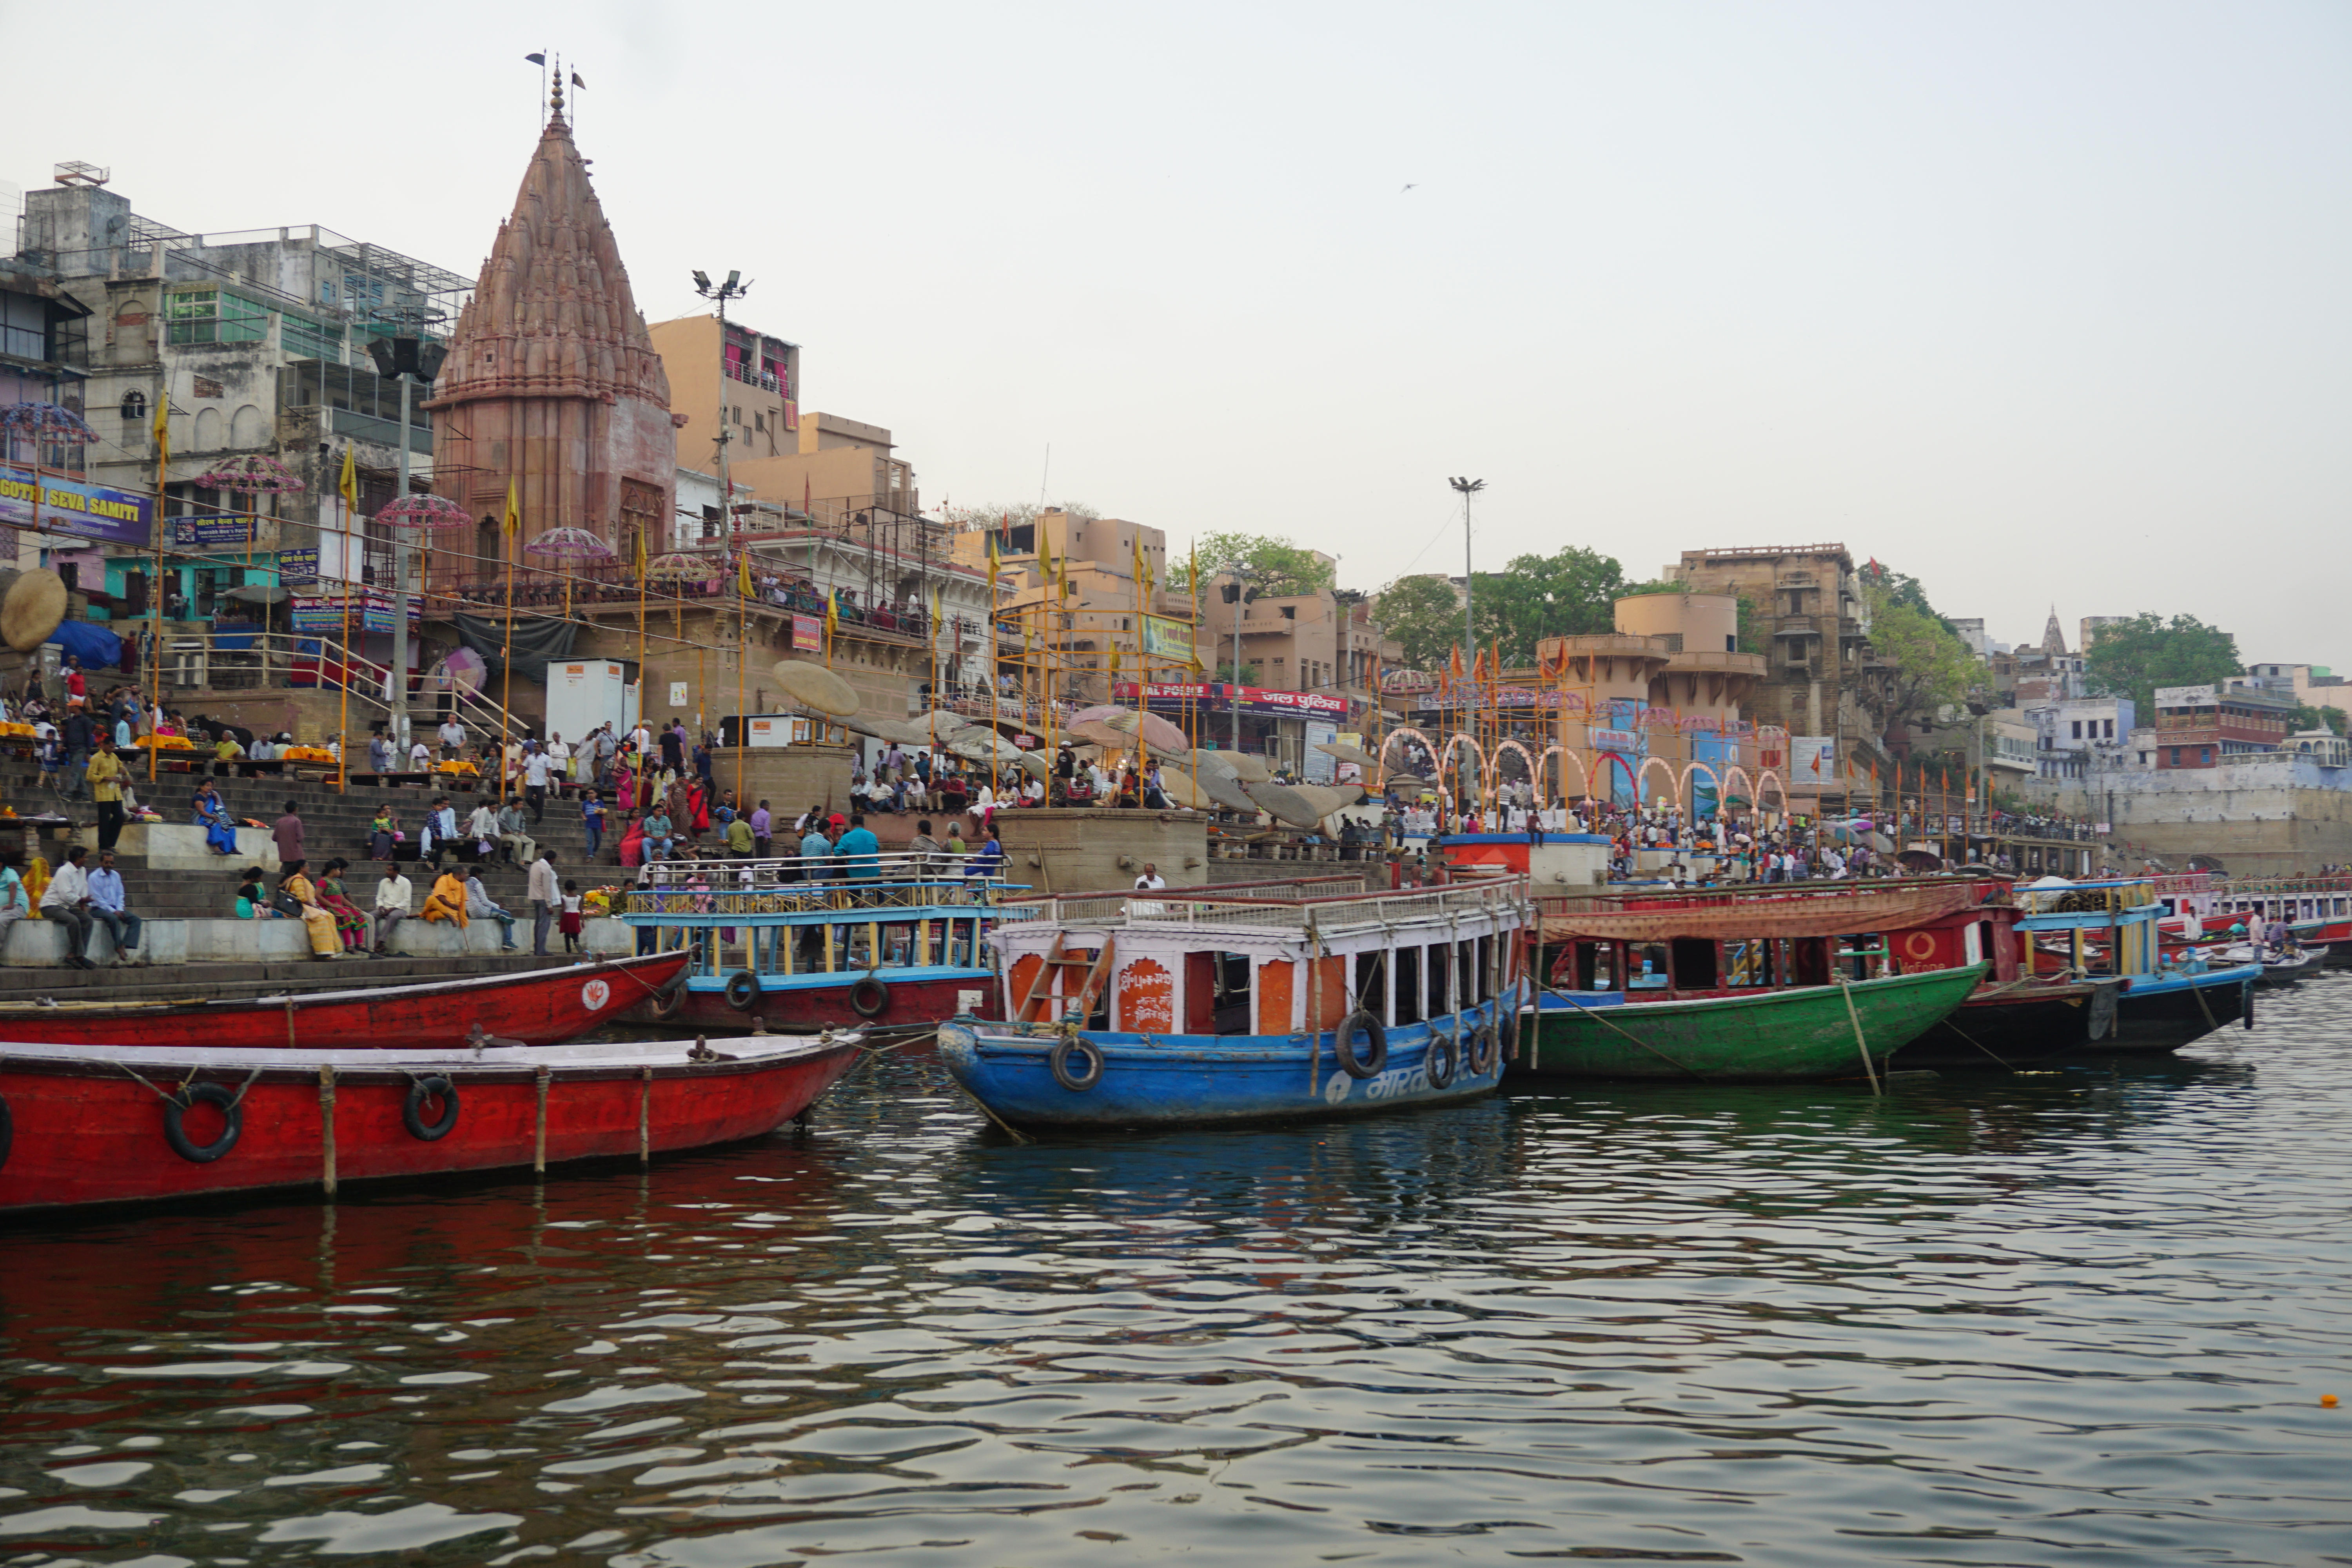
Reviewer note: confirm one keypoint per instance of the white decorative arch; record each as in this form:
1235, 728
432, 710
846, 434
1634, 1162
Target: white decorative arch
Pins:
1779, 789
1664, 767
1737, 774
1689, 796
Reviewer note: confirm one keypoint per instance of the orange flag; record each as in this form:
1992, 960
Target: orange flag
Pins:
1454, 662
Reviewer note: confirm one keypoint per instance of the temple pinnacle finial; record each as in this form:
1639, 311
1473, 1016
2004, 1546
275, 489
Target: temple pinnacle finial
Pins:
555, 102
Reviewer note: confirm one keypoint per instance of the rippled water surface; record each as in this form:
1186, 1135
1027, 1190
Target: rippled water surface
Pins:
2080, 1317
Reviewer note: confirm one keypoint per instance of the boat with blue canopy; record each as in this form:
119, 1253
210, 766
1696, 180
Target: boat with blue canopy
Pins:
1246, 1002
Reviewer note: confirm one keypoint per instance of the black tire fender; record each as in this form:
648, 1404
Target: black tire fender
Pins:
1506, 1028
1362, 1021
1057, 1062
1486, 1048
411, 1114
670, 1000
869, 998
1444, 1056
743, 990
176, 1107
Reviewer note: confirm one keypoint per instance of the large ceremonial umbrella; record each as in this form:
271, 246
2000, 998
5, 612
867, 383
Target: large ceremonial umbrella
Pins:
569, 544
984, 746
814, 686
1155, 732
1242, 765
250, 476
1286, 803
436, 512
1348, 753
1225, 790
682, 566
33, 609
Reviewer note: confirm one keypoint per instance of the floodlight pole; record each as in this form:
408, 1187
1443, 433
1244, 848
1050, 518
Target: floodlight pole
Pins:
720, 293
1465, 489
396, 710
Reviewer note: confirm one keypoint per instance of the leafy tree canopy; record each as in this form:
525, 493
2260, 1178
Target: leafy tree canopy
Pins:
2133, 658
1569, 593
2310, 717
1932, 666
1424, 615
1276, 567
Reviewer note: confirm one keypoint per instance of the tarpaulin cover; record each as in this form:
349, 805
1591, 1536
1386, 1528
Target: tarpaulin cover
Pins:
1816, 915
97, 650
537, 644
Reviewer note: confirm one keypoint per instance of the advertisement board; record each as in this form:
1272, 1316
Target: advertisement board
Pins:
71, 506
1164, 638
321, 610
1319, 766
211, 532
1812, 760
2184, 696
1218, 695
296, 567
808, 631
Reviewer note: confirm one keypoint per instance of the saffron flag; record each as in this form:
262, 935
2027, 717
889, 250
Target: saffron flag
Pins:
348, 486
832, 611
641, 560
993, 563
164, 435
1454, 662
514, 510
743, 574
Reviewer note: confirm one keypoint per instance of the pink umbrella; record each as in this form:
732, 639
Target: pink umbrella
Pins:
571, 543
47, 421
424, 511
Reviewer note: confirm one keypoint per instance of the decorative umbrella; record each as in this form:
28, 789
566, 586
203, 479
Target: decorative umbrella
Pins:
1096, 731
1039, 765
41, 422
569, 544
462, 669
424, 511
1224, 789
1181, 791
814, 686
984, 746
1240, 765
681, 566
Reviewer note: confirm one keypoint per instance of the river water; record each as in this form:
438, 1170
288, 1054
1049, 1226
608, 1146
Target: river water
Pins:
2086, 1317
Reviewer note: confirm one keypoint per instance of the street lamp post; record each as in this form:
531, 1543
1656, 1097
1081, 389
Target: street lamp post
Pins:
406, 359
1465, 489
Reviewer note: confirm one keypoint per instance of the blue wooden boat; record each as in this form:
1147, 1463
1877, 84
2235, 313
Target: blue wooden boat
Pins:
1251, 1002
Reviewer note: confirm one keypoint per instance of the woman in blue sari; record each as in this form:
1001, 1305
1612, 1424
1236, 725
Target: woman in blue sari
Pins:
211, 815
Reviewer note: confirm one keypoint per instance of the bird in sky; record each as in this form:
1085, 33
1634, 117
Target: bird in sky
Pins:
1407, 188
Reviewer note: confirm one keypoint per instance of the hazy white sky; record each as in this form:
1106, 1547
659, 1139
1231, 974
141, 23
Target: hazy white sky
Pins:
2039, 302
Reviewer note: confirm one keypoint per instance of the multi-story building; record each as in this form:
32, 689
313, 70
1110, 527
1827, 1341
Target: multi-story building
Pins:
2075, 735
2203, 726
44, 358
2313, 684
256, 341
1810, 616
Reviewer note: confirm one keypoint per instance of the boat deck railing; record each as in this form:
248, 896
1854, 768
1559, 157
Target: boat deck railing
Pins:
779, 886
1263, 908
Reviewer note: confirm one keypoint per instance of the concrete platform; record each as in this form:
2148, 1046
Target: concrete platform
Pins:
41, 944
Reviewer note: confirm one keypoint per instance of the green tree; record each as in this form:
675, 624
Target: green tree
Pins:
1424, 615
1571, 592
2133, 658
1932, 666
1276, 567
2308, 717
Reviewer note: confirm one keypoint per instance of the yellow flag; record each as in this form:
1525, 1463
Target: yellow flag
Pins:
832, 612
514, 512
992, 565
163, 432
938, 618
743, 574
641, 555
348, 486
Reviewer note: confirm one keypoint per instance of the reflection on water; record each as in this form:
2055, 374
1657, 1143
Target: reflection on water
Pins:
2084, 1316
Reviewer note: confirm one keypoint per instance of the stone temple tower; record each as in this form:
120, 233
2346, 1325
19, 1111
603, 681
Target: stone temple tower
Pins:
553, 382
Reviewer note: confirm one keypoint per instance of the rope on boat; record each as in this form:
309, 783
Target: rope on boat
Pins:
1987, 1049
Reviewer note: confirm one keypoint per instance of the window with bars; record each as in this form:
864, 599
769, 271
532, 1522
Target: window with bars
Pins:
215, 316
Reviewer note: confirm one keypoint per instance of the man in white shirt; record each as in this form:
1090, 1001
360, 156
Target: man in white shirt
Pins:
392, 906
546, 898
453, 737
559, 760
482, 827
1152, 881
420, 758
534, 778
66, 901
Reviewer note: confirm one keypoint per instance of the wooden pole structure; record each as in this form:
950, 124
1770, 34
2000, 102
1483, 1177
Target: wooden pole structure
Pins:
155, 590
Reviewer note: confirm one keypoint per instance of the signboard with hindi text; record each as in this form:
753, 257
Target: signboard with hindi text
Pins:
808, 631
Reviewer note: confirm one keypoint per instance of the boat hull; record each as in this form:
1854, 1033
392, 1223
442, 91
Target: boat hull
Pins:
2160, 1014
911, 1006
2004, 1027
1775, 1037
535, 1008
83, 1130
1193, 1080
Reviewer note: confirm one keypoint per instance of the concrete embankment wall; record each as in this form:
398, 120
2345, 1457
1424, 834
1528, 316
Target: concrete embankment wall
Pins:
2256, 819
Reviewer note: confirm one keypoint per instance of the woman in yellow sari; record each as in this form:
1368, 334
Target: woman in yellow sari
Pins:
318, 922
447, 901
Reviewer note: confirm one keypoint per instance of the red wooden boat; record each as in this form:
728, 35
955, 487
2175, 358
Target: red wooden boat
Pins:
532, 1008
101, 1124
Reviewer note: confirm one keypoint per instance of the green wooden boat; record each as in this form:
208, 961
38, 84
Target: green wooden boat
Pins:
1776, 1035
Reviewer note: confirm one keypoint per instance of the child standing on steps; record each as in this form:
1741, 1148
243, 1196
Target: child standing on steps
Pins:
568, 921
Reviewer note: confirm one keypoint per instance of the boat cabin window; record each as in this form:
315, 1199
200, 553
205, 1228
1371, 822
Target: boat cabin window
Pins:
1482, 985
1694, 963
1372, 983
1217, 994
1408, 987
1441, 969
1745, 963
1647, 967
